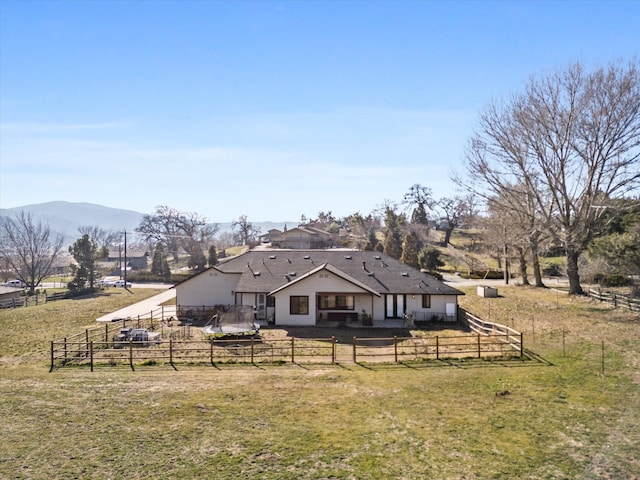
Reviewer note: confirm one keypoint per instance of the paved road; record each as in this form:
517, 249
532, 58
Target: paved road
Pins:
144, 308
457, 281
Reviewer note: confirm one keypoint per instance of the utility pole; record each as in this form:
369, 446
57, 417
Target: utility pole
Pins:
506, 258
125, 259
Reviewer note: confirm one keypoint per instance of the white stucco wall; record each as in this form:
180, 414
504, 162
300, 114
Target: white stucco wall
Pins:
216, 288
209, 288
319, 283
438, 305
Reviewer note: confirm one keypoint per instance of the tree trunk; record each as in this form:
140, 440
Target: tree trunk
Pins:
447, 236
522, 264
535, 261
572, 272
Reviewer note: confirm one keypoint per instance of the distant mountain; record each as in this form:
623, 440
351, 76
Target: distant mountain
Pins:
64, 218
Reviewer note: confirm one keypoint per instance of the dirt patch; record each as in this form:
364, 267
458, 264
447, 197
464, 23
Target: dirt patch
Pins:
346, 334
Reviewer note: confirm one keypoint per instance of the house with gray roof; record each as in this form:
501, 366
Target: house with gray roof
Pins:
315, 287
302, 237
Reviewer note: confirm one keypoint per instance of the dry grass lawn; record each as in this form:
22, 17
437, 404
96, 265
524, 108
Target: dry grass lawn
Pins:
560, 417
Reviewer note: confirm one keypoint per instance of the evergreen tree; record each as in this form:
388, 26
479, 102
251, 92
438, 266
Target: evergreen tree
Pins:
197, 259
85, 253
213, 256
429, 258
393, 230
419, 215
410, 251
160, 264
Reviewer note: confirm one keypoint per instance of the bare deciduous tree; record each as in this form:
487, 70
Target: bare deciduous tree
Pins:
453, 211
177, 230
244, 231
573, 140
28, 249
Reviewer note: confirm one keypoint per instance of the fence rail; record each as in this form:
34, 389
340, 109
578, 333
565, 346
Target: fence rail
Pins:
31, 300
616, 299
93, 348
506, 334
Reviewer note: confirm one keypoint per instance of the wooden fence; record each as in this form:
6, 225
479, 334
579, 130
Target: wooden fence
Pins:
180, 345
32, 300
616, 299
508, 335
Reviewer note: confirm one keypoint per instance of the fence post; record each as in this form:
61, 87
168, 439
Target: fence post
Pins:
293, 355
51, 368
533, 327
521, 345
395, 348
437, 348
479, 351
86, 339
131, 354
106, 332
211, 352
333, 349
563, 343
171, 352
91, 355
354, 350
252, 350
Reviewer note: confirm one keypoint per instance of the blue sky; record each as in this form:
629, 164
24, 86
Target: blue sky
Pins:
270, 109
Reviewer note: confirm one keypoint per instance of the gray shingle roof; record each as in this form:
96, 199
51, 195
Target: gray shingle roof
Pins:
268, 270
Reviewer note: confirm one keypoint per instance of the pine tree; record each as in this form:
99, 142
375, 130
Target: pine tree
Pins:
410, 251
160, 264
213, 256
419, 215
392, 238
85, 253
429, 258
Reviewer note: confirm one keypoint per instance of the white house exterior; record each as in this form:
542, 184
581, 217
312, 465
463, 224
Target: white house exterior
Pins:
309, 287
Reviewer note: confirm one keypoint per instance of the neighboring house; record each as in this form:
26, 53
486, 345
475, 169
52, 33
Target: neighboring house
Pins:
136, 259
309, 287
272, 235
62, 265
303, 237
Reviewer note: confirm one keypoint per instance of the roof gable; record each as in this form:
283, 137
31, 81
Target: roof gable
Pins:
334, 271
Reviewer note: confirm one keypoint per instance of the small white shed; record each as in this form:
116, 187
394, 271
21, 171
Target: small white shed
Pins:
487, 292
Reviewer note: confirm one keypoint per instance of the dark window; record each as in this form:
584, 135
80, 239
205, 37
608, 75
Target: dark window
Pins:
426, 301
271, 301
299, 305
336, 302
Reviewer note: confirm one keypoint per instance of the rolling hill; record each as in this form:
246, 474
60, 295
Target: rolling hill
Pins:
64, 218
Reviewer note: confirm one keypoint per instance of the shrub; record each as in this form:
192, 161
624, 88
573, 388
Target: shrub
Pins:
611, 280
551, 270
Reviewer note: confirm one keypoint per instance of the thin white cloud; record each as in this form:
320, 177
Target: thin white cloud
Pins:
51, 128
268, 166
